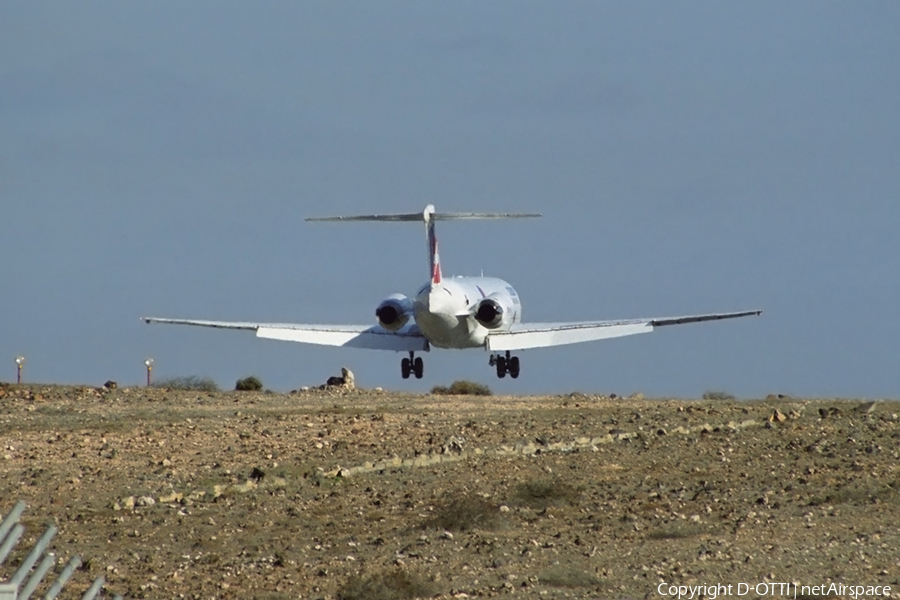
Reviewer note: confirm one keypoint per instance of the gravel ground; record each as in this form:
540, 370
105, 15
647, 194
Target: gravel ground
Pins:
366, 495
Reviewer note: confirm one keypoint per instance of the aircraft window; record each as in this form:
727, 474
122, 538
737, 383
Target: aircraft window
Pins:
511, 291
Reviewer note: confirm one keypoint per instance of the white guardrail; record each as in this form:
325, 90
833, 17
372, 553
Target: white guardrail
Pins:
25, 581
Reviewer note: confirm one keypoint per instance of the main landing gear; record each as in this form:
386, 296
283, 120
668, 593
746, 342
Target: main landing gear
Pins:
413, 364
505, 364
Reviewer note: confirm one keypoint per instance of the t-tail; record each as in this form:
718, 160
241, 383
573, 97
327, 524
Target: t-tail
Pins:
429, 216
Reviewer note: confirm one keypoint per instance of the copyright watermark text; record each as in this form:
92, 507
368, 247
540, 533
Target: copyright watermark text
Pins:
775, 590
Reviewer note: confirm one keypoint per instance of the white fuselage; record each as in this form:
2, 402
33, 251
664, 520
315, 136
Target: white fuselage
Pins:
445, 312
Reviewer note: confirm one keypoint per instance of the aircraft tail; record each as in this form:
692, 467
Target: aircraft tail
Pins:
434, 257
429, 216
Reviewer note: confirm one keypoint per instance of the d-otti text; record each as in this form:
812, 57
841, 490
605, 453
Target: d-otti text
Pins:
786, 590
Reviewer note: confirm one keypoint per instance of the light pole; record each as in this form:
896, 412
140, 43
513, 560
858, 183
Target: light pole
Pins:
20, 362
149, 364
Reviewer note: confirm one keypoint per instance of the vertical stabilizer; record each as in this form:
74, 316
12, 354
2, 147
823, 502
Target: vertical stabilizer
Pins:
434, 257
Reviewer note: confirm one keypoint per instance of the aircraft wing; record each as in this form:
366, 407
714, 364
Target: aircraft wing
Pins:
522, 336
371, 337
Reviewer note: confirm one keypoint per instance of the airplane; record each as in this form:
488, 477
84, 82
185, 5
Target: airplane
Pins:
456, 312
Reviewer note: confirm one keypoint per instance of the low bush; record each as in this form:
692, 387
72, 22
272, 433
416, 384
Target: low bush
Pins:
248, 384
464, 513
190, 383
718, 395
544, 493
569, 577
462, 388
395, 584
676, 531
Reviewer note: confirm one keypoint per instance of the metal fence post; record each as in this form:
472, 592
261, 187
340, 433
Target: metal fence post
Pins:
10, 533
63, 578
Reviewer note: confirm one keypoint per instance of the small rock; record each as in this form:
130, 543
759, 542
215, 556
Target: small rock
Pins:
349, 378
171, 498
146, 501
865, 408
110, 385
454, 444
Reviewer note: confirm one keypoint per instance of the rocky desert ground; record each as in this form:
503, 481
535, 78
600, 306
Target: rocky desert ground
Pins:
365, 495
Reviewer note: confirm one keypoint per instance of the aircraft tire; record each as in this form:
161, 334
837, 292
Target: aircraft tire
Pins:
514, 367
418, 367
501, 367
405, 368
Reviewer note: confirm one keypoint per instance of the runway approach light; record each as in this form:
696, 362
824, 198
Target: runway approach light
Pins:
149, 364
20, 362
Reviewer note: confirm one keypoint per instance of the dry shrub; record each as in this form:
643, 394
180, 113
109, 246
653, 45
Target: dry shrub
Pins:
464, 513
568, 577
395, 584
718, 395
543, 493
189, 383
462, 388
248, 384
859, 494
676, 531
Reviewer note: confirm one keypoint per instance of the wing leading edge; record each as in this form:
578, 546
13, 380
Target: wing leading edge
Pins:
350, 336
541, 335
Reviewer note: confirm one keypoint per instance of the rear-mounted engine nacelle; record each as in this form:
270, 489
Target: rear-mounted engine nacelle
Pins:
489, 313
394, 311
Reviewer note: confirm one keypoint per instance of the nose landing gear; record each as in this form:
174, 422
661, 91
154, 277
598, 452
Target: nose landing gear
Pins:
505, 364
414, 364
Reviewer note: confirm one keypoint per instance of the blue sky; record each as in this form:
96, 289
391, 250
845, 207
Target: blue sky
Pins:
159, 159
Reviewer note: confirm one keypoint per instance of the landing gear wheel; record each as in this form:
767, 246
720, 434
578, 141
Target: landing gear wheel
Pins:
501, 367
514, 367
418, 367
405, 368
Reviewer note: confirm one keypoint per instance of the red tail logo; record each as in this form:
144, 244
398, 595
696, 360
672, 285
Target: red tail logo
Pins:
435, 260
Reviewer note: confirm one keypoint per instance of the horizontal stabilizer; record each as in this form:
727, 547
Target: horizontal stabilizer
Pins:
434, 216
